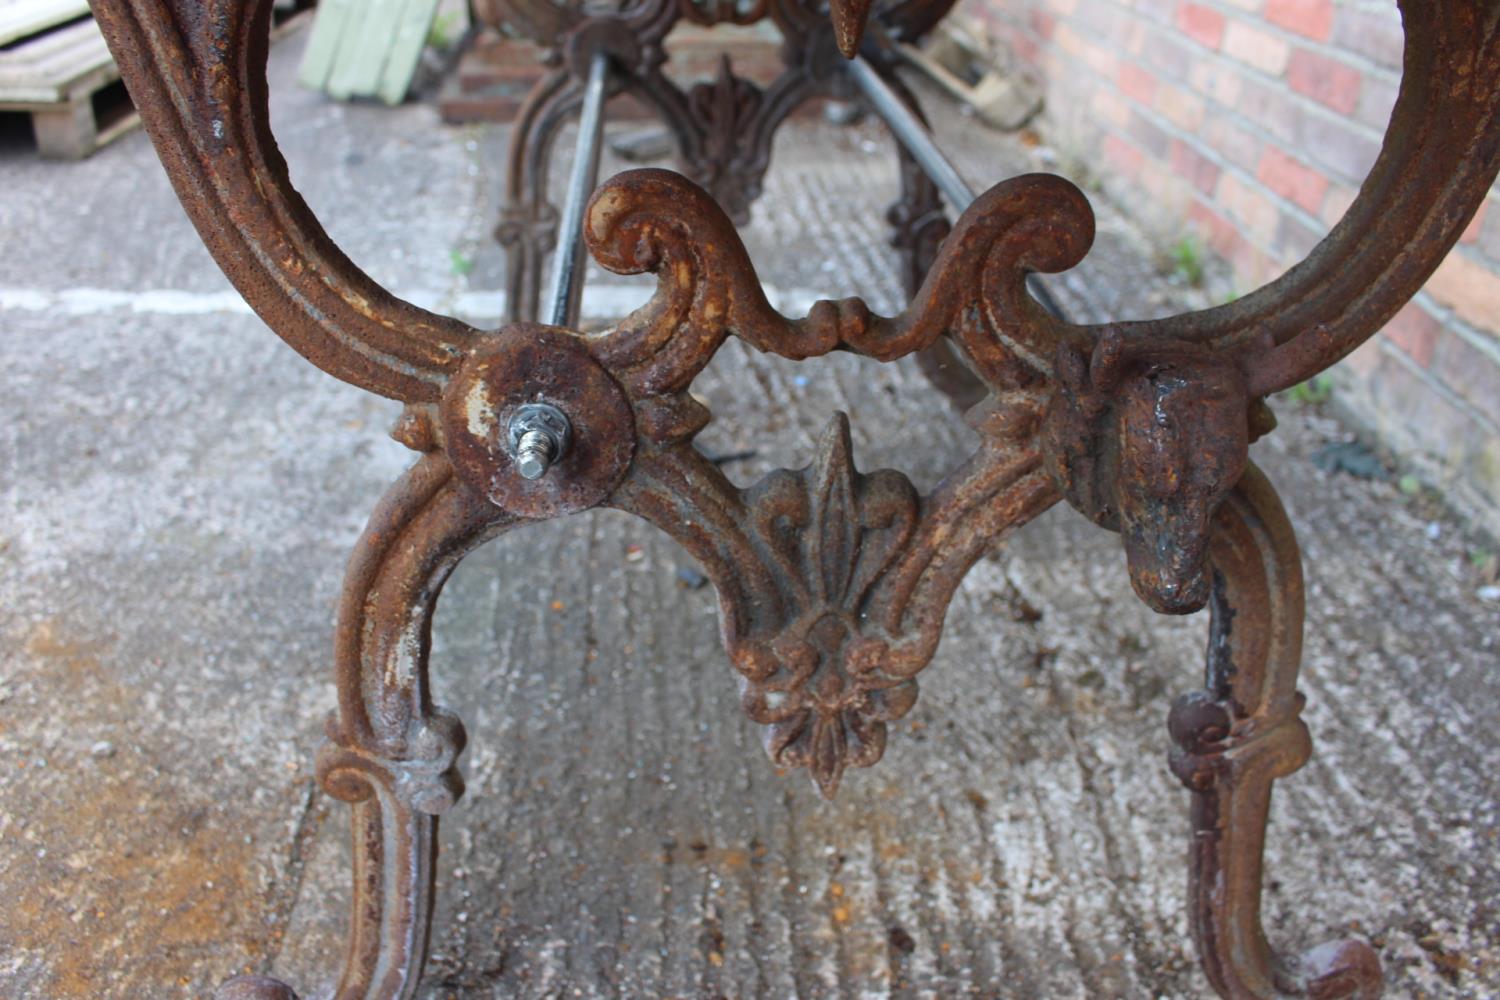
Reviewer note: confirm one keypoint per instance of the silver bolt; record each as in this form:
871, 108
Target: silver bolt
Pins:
534, 454
539, 434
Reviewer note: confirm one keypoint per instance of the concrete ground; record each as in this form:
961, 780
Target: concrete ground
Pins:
178, 492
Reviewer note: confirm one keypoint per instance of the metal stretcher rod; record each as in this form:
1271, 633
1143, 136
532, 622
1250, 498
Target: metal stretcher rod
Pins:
910, 131
567, 264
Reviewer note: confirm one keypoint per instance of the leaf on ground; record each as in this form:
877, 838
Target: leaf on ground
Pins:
1350, 457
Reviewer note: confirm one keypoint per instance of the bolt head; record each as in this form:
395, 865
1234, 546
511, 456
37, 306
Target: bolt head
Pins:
539, 434
532, 465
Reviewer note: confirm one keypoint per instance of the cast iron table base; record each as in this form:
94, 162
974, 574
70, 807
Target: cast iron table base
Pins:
833, 583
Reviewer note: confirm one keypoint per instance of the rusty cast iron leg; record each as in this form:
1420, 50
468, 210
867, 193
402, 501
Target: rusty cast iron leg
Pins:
1233, 739
390, 752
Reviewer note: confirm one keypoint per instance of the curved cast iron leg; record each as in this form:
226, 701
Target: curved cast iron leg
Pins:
390, 752
1233, 740
528, 222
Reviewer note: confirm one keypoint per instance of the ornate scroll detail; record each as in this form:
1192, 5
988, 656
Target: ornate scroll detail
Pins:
651, 220
821, 682
545, 21
391, 752
424, 777
833, 584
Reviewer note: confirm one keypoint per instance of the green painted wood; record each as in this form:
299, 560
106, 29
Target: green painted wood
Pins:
330, 26
367, 48
407, 42
356, 72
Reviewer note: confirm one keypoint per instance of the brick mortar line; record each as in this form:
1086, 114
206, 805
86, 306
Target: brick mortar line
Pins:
1446, 316
1113, 182
1357, 408
1221, 210
1353, 60
1215, 157
1482, 340
1315, 223
1209, 153
1218, 207
1313, 220
1220, 59
1478, 256
1387, 347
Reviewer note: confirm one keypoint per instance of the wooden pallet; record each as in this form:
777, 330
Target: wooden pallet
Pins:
23, 18
54, 73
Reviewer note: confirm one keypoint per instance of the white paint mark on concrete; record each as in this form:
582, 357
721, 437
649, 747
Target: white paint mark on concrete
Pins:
475, 305
93, 301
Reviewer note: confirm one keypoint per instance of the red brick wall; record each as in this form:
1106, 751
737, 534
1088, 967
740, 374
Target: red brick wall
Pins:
1252, 123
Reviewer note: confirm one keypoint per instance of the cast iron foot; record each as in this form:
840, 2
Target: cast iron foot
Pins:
1339, 969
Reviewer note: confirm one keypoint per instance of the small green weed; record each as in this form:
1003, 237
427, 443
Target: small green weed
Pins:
1187, 260
460, 263
440, 35
1316, 390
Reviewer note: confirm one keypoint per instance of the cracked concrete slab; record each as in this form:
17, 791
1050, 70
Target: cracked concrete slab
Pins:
178, 492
